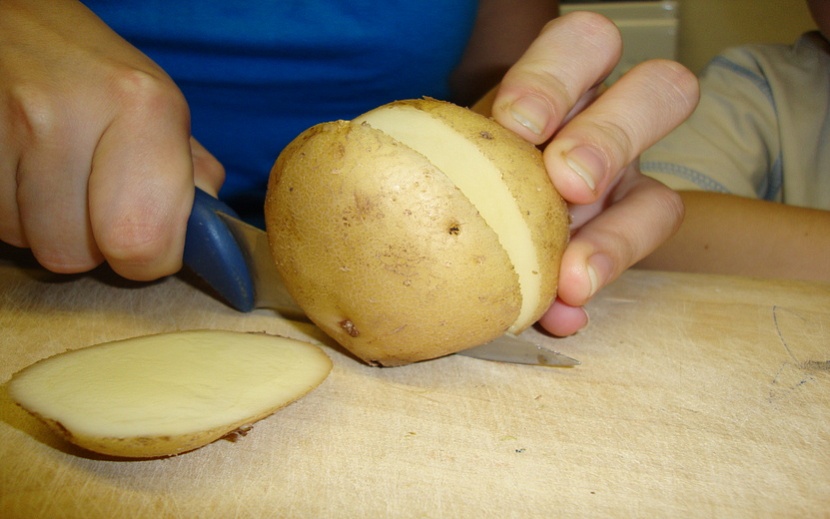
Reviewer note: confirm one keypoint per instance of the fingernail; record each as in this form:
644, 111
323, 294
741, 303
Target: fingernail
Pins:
587, 164
531, 112
598, 267
587, 321
592, 276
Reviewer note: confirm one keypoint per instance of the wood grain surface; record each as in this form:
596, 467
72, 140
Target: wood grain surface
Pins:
698, 396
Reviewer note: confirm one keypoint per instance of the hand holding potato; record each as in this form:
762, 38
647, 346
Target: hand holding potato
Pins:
618, 215
415, 230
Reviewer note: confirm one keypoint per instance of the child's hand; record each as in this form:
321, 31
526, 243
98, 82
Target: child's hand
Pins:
619, 215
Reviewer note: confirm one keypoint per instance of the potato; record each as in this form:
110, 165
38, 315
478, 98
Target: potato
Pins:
416, 230
161, 395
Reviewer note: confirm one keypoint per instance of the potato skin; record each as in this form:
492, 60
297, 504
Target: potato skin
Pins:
523, 170
142, 447
386, 255
382, 251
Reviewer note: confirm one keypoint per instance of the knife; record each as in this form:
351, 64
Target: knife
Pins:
234, 258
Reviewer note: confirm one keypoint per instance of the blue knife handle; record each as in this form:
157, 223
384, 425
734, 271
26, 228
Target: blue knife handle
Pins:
211, 251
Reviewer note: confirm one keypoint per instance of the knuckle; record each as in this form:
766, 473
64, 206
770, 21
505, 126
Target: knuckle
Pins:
65, 262
135, 242
142, 246
13, 235
617, 140
666, 210
670, 84
592, 27
209, 168
63, 248
145, 94
551, 87
35, 116
659, 213
673, 206
674, 73
558, 70
11, 229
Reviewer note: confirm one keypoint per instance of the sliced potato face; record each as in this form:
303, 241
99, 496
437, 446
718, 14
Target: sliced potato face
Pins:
164, 394
479, 178
416, 230
382, 252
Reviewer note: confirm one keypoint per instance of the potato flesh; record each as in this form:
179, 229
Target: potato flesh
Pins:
382, 251
388, 256
168, 386
478, 179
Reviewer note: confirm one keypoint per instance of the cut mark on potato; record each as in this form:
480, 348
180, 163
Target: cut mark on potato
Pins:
160, 395
478, 179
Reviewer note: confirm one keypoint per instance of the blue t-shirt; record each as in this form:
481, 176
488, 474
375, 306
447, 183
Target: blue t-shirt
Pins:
256, 74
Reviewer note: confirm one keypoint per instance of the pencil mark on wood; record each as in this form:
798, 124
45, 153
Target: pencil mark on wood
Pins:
793, 373
816, 365
780, 335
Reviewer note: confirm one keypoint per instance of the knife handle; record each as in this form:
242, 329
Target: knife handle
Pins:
211, 251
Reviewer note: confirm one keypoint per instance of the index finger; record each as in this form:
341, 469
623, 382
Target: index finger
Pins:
592, 149
571, 55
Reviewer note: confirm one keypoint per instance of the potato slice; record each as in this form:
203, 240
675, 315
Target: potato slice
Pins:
160, 395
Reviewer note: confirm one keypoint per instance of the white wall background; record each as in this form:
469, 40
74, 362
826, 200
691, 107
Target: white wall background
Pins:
709, 26
706, 27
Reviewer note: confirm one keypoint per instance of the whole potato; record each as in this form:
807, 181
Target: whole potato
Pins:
417, 230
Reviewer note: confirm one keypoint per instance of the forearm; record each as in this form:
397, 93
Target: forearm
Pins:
503, 31
726, 234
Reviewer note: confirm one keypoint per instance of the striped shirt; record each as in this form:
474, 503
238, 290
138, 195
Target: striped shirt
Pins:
761, 129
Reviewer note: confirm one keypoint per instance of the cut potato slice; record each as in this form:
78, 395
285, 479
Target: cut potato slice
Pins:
160, 395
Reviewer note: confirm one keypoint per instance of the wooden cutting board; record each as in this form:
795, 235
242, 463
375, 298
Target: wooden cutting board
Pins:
697, 396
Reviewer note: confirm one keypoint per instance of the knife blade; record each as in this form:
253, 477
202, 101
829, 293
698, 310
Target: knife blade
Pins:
517, 350
234, 259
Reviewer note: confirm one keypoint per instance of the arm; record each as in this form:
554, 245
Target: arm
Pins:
728, 234
503, 30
